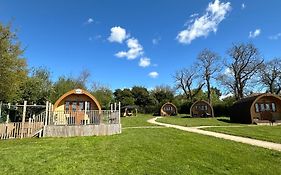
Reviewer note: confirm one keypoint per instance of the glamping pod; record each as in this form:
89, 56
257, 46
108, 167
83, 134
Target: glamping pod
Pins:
168, 109
71, 107
201, 108
257, 108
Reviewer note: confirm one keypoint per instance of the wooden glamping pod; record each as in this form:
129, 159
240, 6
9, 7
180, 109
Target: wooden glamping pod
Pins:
78, 113
70, 108
201, 108
168, 109
257, 108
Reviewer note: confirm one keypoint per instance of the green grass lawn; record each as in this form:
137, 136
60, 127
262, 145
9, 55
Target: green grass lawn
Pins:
136, 151
186, 121
268, 133
134, 121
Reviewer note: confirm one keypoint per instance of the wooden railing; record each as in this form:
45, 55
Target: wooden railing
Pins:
89, 117
31, 128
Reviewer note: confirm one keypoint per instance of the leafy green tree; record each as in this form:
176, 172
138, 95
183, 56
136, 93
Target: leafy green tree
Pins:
38, 87
163, 94
13, 69
142, 97
125, 96
63, 85
103, 94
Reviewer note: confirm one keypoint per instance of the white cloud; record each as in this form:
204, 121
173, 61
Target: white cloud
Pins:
227, 71
118, 34
202, 26
243, 6
144, 62
153, 74
225, 96
135, 50
90, 20
254, 34
155, 41
194, 15
275, 37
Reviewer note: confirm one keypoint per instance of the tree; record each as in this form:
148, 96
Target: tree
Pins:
163, 94
208, 64
270, 75
245, 61
13, 69
103, 94
63, 85
142, 97
125, 96
184, 79
38, 87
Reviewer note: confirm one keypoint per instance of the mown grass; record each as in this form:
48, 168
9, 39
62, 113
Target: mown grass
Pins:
136, 151
186, 121
135, 121
267, 133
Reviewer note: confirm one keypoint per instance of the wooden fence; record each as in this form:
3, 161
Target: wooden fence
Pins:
58, 123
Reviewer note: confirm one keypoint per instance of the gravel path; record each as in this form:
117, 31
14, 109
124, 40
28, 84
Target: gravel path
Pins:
255, 142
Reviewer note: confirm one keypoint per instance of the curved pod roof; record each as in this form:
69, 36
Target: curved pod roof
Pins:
77, 92
205, 102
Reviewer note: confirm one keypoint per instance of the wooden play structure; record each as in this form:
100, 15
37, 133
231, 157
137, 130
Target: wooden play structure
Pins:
201, 108
257, 108
168, 109
76, 113
130, 110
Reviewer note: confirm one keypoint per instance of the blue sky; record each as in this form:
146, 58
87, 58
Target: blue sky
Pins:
110, 38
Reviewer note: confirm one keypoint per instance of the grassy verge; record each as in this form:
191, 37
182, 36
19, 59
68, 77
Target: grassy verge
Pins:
139, 120
136, 151
267, 133
185, 121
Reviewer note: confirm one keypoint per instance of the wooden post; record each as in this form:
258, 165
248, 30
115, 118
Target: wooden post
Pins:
29, 127
49, 112
119, 112
1, 103
85, 113
8, 115
23, 119
46, 115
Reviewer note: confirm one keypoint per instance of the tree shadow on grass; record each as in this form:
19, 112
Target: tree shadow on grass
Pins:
186, 116
224, 120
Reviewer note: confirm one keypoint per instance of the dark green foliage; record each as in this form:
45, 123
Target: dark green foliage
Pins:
104, 96
184, 108
125, 96
13, 69
38, 87
63, 85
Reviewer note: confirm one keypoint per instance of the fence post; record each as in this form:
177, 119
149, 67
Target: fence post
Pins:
8, 115
29, 128
46, 116
23, 118
1, 109
85, 113
119, 112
